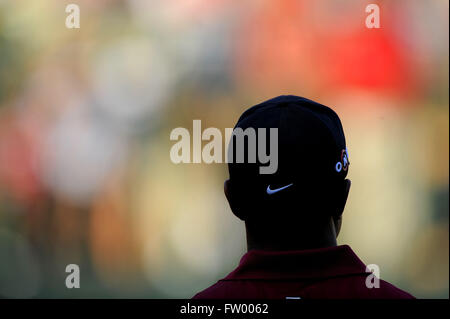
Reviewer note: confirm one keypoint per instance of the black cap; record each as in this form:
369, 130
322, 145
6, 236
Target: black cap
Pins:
312, 153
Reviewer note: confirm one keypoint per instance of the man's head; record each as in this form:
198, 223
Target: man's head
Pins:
302, 202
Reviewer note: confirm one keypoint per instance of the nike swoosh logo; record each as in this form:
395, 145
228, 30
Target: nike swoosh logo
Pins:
276, 190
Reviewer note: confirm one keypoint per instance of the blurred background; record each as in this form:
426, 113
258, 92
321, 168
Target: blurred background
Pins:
85, 118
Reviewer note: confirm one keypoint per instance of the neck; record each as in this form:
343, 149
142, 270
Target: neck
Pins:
261, 238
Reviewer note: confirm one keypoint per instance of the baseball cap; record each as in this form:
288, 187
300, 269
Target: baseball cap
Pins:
312, 156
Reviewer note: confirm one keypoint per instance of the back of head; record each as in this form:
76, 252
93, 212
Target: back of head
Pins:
312, 162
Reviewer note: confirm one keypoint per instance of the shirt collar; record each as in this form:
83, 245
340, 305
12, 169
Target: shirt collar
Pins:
302, 264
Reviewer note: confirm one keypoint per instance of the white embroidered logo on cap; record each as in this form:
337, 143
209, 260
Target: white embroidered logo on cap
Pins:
276, 190
343, 164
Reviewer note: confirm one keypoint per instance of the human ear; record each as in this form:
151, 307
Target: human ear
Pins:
342, 200
226, 189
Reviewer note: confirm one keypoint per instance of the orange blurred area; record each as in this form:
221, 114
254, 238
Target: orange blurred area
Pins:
86, 114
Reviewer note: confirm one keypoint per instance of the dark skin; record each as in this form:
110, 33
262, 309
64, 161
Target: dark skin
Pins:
298, 234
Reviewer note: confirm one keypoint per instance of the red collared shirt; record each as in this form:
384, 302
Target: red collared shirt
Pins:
332, 272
